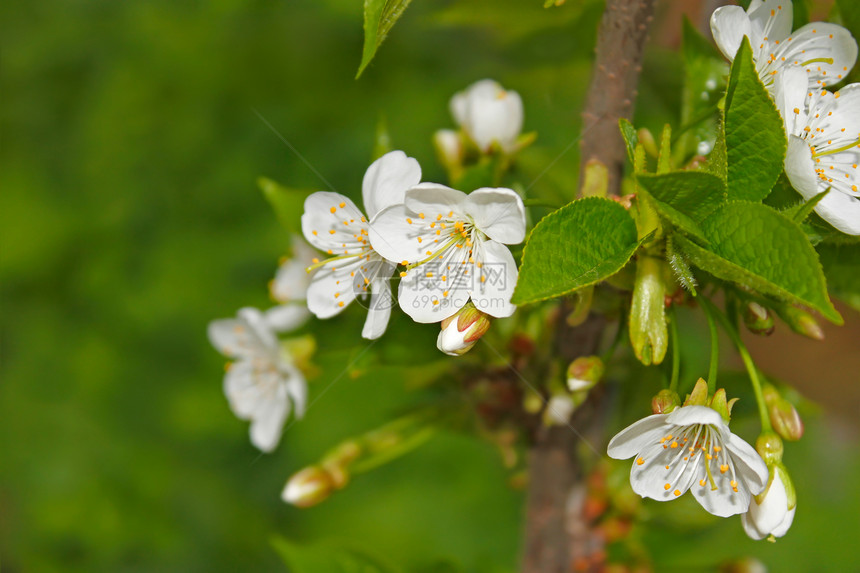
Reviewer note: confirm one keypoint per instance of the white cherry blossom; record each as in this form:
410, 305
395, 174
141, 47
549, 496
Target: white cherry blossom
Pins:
489, 114
823, 131
263, 383
453, 247
332, 223
825, 51
691, 448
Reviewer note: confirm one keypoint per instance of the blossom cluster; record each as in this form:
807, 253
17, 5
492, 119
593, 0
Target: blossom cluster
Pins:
455, 267
822, 126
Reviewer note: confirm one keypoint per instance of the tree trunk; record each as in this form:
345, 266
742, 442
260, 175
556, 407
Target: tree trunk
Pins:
557, 538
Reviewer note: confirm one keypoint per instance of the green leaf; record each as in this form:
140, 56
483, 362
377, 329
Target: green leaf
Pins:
289, 204
379, 17
717, 163
842, 268
576, 246
684, 198
799, 212
628, 132
328, 557
755, 246
755, 138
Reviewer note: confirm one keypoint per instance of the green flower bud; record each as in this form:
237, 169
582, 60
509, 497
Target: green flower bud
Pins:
584, 372
665, 401
758, 319
800, 322
783, 415
308, 487
769, 447
649, 333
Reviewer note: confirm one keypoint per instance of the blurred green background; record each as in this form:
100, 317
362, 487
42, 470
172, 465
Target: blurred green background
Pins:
130, 218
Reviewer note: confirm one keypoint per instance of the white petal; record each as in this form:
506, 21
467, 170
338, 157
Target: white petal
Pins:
773, 509
635, 437
297, 389
689, 415
334, 287
424, 298
750, 527
287, 316
722, 501
841, 211
789, 94
248, 335
292, 280
458, 106
241, 390
800, 168
729, 25
331, 227
823, 40
785, 525
838, 209
748, 463
495, 280
771, 19
495, 117
396, 239
381, 302
386, 181
433, 199
498, 213
650, 478
268, 420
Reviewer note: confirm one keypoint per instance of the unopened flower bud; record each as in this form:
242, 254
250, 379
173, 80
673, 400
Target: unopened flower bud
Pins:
758, 319
460, 332
769, 447
771, 513
584, 372
449, 148
801, 322
308, 487
665, 401
489, 115
649, 333
783, 416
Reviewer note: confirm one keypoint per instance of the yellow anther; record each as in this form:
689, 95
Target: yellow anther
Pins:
340, 304
724, 468
333, 209
640, 461
420, 215
408, 220
677, 492
667, 487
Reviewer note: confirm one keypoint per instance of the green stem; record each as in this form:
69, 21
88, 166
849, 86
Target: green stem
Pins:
676, 353
747, 359
715, 349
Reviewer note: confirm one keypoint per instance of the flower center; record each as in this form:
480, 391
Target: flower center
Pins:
695, 444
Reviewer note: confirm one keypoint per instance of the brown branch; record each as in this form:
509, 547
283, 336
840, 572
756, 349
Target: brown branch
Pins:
557, 536
614, 82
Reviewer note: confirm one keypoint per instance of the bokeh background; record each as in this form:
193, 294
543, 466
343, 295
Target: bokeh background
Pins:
132, 139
